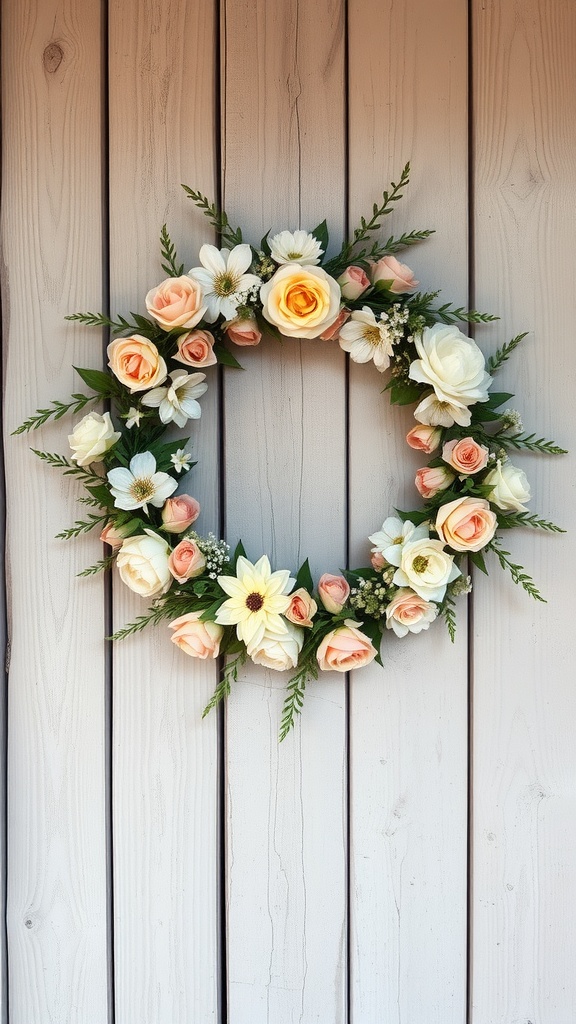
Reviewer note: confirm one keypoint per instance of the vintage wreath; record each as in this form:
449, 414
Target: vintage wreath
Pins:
367, 302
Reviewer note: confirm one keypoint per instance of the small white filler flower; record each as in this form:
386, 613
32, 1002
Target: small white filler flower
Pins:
177, 403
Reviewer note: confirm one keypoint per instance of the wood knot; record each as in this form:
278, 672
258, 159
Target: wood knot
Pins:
52, 57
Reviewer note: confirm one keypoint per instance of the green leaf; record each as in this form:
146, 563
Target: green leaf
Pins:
264, 244
498, 398
168, 252
304, 577
403, 393
103, 383
483, 413
321, 233
225, 357
477, 558
239, 550
502, 354
373, 631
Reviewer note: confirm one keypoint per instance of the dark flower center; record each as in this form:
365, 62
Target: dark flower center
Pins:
254, 602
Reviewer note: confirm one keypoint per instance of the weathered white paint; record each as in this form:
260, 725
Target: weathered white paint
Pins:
286, 858
524, 768
51, 232
165, 768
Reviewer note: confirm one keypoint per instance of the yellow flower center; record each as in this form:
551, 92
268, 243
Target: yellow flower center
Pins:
420, 564
226, 284
372, 335
254, 602
142, 489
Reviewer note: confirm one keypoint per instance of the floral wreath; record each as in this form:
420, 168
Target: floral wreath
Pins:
366, 301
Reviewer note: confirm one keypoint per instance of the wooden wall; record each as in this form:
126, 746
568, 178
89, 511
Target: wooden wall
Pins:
408, 854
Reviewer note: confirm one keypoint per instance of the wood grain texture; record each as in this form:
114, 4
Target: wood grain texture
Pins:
165, 815
524, 864
283, 154
51, 230
408, 721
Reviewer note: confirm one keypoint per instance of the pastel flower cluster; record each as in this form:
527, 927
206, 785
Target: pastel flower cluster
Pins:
366, 301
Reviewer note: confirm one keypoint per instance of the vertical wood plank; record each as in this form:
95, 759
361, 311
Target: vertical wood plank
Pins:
283, 153
524, 864
51, 230
408, 745
162, 111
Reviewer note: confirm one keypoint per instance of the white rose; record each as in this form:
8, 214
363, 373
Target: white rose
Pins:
278, 651
92, 438
510, 487
427, 568
143, 564
453, 366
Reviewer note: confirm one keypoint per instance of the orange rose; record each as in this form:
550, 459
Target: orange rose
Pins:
302, 608
186, 561
466, 524
136, 363
302, 302
466, 455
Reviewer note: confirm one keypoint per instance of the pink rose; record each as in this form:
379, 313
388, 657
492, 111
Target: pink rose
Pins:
195, 349
432, 479
179, 513
302, 608
113, 535
332, 331
198, 639
186, 561
333, 591
377, 560
465, 456
408, 613
353, 282
424, 438
466, 524
243, 332
345, 648
177, 302
393, 276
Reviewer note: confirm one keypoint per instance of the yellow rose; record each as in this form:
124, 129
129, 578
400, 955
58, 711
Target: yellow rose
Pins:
136, 363
301, 301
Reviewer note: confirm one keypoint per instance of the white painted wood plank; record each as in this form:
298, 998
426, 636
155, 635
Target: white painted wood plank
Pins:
408, 756
165, 816
285, 461
51, 230
524, 863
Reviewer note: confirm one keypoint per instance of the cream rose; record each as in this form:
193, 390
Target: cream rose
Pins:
136, 363
466, 524
432, 479
179, 513
453, 366
301, 302
196, 638
278, 651
302, 608
333, 591
510, 487
143, 564
424, 438
409, 613
177, 302
466, 455
395, 277
345, 649
93, 436
426, 568
196, 349
186, 561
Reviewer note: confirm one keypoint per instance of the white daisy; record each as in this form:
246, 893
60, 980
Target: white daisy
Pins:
366, 338
394, 534
177, 403
224, 279
296, 247
258, 597
181, 460
141, 484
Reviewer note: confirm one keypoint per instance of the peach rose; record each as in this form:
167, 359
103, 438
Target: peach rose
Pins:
136, 363
177, 302
345, 648
408, 613
195, 349
333, 591
353, 282
395, 277
465, 456
196, 638
179, 513
113, 536
186, 561
332, 332
424, 438
378, 561
466, 524
301, 302
243, 331
432, 479
302, 608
